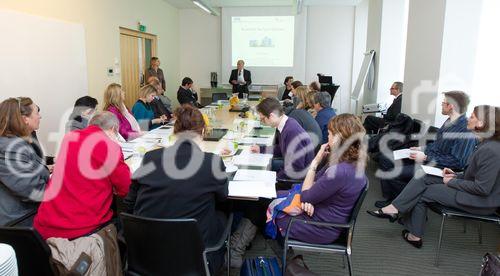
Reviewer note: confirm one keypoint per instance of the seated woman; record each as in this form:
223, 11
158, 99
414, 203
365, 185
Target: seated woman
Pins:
82, 111
144, 112
304, 118
23, 175
187, 186
77, 201
476, 191
330, 194
114, 102
285, 91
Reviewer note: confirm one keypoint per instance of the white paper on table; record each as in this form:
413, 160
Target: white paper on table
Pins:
154, 135
134, 164
252, 189
161, 131
402, 154
432, 171
255, 175
252, 159
256, 140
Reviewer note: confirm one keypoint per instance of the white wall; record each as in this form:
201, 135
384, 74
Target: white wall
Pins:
373, 35
423, 58
391, 56
200, 46
330, 42
460, 38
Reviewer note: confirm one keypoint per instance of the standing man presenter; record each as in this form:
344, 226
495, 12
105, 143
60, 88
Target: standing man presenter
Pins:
240, 79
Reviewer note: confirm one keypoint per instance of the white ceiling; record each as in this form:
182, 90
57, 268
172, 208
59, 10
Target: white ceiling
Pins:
188, 4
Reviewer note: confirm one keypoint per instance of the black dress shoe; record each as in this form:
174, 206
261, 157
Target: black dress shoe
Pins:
382, 203
380, 214
417, 244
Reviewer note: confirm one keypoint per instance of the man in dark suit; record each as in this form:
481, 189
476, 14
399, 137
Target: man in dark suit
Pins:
155, 71
185, 95
240, 79
372, 124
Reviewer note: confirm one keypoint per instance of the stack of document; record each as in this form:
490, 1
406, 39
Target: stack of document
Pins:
252, 159
253, 184
252, 189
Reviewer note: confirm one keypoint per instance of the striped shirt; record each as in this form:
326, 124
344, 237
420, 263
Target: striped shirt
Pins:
453, 145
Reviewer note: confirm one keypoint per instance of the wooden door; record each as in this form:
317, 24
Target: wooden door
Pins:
129, 49
136, 50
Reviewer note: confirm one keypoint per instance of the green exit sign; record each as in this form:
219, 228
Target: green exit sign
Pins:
142, 28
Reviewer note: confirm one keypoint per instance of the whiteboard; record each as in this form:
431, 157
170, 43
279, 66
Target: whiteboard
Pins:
43, 59
367, 62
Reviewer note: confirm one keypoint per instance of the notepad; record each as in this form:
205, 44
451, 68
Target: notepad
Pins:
402, 153
252, 159
432, 170
255, 175
252, 189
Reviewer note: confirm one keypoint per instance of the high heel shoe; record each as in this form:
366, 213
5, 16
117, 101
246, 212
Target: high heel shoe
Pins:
417, 244
380, 214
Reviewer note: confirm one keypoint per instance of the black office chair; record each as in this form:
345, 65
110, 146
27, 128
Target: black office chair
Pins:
218, 96
447, 212
32, 252
168, 246
343, 245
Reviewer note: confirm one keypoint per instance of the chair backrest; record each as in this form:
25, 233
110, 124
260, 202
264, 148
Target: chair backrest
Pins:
163, 246
218, 96
32, 252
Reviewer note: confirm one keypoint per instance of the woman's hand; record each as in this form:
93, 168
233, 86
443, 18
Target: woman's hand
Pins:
323, 152
225, 151
157, 121
308, 208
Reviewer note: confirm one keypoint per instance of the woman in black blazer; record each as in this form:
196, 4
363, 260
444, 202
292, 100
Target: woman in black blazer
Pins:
476, 190
185, 182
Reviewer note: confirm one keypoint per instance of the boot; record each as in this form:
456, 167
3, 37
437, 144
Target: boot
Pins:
240, 239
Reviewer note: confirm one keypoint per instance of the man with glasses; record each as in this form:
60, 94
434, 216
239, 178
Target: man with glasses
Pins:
372, 123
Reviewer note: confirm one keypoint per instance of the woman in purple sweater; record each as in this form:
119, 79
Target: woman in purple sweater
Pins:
330, 194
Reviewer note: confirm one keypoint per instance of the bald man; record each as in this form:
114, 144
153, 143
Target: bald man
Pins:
240, 79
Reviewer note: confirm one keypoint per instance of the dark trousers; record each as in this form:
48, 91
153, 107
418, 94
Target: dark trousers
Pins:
394, 175
412, 202
216, 259
372, 124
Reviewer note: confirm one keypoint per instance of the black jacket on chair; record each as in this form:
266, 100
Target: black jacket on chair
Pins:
238, 88
191, 193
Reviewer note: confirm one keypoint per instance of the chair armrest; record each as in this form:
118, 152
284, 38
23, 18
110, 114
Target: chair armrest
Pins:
292, 181
318, 223
21, 219
224, 237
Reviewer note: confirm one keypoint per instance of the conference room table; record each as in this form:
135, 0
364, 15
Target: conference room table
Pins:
239, 138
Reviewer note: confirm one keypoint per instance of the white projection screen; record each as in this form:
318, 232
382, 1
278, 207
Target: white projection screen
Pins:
263, 41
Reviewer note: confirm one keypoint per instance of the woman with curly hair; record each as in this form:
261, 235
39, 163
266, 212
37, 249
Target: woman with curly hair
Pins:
333, 183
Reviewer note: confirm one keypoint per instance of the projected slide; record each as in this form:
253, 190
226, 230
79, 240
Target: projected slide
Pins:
263, 40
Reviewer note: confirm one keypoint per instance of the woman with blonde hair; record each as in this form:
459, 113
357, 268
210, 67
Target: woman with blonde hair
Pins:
301, 93
143, 111
114, 102
23, 175
333, 183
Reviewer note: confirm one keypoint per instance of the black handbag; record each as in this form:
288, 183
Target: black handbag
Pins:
297, 267
490, 266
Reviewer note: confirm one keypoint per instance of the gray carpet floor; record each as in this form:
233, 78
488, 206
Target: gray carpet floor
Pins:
378, 248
